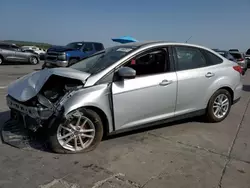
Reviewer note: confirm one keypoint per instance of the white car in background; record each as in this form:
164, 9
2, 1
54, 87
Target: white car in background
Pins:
34, 48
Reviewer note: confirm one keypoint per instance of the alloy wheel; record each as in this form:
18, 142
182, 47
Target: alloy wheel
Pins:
34, 61
77, 135
220, 106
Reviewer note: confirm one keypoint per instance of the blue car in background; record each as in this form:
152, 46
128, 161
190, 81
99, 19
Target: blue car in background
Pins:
64, 56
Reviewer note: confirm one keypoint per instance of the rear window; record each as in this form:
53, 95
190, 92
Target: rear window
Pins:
248, 52
212, 59
236, 55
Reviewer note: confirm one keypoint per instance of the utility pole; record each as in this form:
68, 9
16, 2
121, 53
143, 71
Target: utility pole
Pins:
188, 39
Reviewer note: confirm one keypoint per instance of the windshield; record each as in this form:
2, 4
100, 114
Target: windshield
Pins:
102, 60
75, 45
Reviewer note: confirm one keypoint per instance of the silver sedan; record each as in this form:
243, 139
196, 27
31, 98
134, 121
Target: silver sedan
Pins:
122, 88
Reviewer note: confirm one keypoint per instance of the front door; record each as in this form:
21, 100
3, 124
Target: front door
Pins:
149, 97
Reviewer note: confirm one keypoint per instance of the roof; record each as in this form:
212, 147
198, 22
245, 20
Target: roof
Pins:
159, 43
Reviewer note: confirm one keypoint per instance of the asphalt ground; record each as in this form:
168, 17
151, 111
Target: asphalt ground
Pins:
183, 154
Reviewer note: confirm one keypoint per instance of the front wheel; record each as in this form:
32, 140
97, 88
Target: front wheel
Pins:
219, 106
81, 132
33, 60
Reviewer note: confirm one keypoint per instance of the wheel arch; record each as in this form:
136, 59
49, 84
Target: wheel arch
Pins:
226, 88
103, 117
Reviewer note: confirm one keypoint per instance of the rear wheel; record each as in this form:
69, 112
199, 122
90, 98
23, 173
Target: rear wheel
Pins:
219, 106
33, 60
81, 132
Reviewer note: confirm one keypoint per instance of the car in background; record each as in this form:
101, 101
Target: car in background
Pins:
247, 56
63, 56
241, 60
225, 54
37, 50
13, 53
233, 50
122, 88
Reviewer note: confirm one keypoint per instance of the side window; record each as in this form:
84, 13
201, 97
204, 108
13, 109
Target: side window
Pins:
153, 62
98, 47
15, 48
88, 47
4, 46
189, 58
212, 59
248, 52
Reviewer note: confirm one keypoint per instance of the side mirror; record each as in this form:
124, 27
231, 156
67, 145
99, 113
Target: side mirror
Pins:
127, 72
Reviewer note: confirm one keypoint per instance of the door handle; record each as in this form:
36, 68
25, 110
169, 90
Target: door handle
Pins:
209, 74
165, 82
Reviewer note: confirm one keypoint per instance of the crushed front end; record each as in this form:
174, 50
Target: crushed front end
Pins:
46, 106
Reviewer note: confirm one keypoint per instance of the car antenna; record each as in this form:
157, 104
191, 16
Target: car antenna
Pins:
188, 39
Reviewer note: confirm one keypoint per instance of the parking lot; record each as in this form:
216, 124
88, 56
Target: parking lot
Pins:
185, 154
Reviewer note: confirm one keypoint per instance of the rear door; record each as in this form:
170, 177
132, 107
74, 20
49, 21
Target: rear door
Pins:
196, 72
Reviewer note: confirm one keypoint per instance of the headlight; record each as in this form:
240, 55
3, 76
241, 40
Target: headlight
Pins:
61, 57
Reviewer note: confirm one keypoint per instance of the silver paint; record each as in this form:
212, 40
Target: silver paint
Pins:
143, 99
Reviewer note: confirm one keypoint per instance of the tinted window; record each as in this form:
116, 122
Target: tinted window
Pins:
149, 63
233, 50
230, 57
75, 45
189, 58
236, 55
248, 52
88, 47
4, 46
100, 61
213, 59
15, 47
98, 46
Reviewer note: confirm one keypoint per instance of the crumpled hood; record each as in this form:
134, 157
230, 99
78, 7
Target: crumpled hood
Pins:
29, 85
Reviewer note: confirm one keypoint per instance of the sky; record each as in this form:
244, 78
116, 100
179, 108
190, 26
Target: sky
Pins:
220, 24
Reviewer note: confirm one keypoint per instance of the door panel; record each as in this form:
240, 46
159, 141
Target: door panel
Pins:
9, 55
21, 56
192, 89
144, 99
195, 77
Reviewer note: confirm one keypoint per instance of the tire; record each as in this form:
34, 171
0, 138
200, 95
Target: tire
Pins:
72, 61
1, 60
34, 60
210, 114
56, 144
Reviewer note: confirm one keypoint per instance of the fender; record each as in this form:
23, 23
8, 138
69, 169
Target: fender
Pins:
97, 96
216, 85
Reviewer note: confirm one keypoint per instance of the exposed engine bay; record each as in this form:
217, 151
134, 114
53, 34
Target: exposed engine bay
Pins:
40, 110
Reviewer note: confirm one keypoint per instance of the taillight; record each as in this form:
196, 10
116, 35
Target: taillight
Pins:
238, 69
241, 59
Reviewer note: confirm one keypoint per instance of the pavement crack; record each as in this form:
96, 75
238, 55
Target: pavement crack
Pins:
232, 145
101, 182
191, 146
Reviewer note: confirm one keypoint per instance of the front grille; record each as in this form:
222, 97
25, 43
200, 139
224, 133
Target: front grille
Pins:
52, 58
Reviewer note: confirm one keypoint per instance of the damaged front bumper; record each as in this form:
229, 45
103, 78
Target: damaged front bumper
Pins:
33, 112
